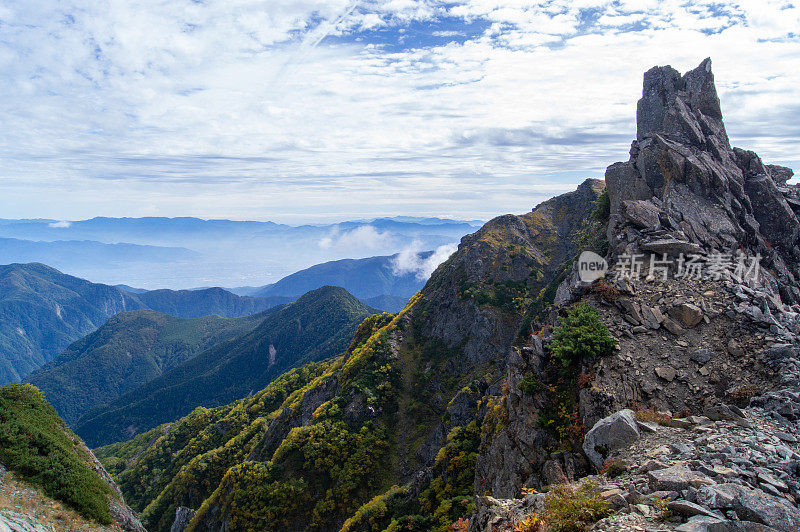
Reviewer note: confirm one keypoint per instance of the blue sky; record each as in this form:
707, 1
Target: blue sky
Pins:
317, 110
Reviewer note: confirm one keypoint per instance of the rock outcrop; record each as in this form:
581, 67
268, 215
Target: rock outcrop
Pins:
686, 190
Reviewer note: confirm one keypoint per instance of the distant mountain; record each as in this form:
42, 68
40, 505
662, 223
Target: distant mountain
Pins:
391, 304
318, 325
364, 278
205, 302
133, 290
42, 311
131, 349
190, 252
77, 255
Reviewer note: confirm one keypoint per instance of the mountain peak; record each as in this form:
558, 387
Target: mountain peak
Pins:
685, 189
680, 107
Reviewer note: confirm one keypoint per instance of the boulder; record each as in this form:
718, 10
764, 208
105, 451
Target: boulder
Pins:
676, 478
779, 174
757, 506
718, 496
617, 431
690, 509
712, 524
721, 412
641, 213
687, 314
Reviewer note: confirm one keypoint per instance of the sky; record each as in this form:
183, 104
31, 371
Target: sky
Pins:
319, 110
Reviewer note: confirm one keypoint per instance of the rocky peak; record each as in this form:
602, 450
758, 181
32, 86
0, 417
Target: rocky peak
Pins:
683, 108
686, 190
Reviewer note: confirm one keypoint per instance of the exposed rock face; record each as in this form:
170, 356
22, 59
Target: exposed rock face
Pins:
706, 195
526, 249
183, 516
613, 432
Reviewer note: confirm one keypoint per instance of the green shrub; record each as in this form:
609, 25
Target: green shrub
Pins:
581, 336
35, 444
569, 509
531, 385
603, 210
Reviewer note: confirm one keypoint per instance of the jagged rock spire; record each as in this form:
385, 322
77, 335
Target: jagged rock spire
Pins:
683, 108
699, 193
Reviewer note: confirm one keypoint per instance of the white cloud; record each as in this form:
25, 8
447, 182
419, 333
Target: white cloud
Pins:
242, 109
63, 224
360, 239
413, 261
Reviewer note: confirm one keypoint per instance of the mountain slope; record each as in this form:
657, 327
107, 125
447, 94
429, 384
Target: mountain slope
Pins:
42, 311
206, 302
403, 399
486, 382
131, 349
315, 327
38, 448
364, 278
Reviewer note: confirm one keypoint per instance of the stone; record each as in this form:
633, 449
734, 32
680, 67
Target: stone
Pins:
701, 356
677, 423
773, 481
666, 372
617, 431
779, 174
676, 478
651, 316
686, 508
642, 213
647, 426
757, 506
673, 327
720, 412
714, 524
670, 246
718, 496
687, 314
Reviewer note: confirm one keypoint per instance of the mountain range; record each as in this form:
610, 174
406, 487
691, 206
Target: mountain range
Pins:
44, 310
364, 278
189, 252
129, 350
317, 326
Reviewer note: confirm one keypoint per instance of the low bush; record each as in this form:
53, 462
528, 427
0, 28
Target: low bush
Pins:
652, 415
581, 336
570, 509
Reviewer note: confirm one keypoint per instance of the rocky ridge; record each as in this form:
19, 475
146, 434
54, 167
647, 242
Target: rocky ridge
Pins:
690, 351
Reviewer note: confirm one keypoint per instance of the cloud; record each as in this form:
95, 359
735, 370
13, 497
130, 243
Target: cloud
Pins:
360, 239
413, 261
63, 224
330, 108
